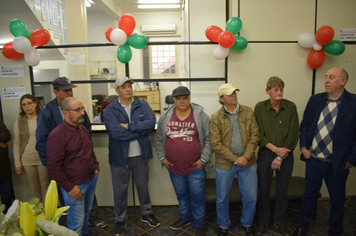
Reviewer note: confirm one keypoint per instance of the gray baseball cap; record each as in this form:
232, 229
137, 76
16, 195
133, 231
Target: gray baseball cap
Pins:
62, 83
123, 79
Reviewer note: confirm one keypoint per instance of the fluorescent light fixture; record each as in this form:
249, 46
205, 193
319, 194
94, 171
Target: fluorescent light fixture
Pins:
88, 3
157, 1
158, 6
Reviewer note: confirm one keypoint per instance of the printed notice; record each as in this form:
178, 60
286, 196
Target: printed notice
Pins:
347, 35
14, 92
12, 71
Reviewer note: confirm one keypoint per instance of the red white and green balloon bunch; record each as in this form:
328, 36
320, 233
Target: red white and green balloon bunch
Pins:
126, 36
25, 42
322, 41
226, 38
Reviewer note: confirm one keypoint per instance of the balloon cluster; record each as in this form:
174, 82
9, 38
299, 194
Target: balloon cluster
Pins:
24, 42
226, 38
323, 41
125, 36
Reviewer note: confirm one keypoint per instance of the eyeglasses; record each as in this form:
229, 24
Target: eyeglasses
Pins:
27, 104
79, 109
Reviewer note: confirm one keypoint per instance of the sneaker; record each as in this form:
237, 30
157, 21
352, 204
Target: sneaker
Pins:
283, 230
97, 223
249, 231
222, 232
179, 224
119, 228
200, 231
150, 220
260, 229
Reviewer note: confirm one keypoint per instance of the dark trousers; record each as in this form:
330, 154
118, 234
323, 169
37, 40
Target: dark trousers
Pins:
120, 176
93, 215
265, 175
7, 192
315, 172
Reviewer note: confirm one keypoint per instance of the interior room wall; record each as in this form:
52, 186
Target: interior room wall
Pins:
265, 23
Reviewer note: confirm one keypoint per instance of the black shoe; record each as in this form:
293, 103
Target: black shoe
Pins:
200, 231
179, 224
222, 232
249, 231
97, 223
119, 228
283, 230
299, 232
150, 220
260, 230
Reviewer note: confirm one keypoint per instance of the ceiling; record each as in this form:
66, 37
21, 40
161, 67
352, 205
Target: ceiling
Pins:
18, 9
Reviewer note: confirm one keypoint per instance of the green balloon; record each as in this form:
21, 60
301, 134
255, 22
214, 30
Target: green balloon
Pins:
240, 43
18, 28
124, 53
137, 41
234, 25
335, 47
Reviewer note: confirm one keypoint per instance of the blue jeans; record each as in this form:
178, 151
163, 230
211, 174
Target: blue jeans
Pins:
247, 178
191, 196
315, 172
78, 213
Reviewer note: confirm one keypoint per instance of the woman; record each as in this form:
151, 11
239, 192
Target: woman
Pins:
26, 157
100, 117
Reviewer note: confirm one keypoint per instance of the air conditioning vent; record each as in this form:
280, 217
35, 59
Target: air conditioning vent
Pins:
158, 29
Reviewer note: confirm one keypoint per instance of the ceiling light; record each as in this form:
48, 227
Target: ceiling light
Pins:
158, 6
157, 1
88, 3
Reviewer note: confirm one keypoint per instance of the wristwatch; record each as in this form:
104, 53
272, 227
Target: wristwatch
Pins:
124, 126
279, 158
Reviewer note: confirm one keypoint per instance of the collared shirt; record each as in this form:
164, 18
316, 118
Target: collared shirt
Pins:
134, 148
70, 157
236, 140
281, 128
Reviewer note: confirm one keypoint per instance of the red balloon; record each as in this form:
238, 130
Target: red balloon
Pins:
39, 37
108, 32
127, 23
226, 39
316, 58
324, 35
9, 52
213, 32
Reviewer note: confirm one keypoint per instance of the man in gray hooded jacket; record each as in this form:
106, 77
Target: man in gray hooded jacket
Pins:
182, 145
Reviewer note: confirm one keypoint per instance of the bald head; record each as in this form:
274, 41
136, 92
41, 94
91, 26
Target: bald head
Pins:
67, 102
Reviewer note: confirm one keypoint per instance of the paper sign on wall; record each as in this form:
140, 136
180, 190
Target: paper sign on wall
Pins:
12, 71
14, 92
347, 35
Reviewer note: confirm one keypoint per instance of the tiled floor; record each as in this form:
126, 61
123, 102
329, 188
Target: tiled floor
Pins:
168, 214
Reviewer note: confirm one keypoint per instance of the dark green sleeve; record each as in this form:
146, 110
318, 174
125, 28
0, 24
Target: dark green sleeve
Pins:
293, 134
263, 138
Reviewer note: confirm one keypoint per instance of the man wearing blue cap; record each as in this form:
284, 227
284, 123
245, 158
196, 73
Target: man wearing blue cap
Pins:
128, 122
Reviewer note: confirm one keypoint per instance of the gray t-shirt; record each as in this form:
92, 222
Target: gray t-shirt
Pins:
236, 140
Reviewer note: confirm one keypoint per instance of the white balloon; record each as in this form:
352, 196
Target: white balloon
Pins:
21, 44
32, 57
317, 47
306, 40
135, 31
221, 53
118, 37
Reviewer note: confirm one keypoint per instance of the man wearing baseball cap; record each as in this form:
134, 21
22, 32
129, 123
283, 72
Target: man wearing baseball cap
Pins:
128, 122
183, 147
234, 136
49, 118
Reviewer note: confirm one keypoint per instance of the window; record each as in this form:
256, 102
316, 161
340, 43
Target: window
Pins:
163, 61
